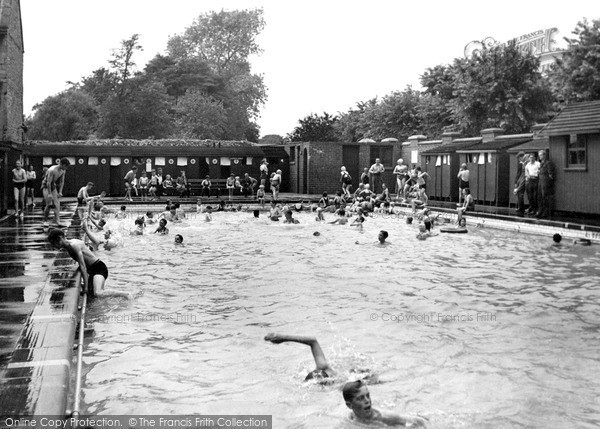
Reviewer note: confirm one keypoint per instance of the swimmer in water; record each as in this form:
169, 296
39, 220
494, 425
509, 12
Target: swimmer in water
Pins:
323, 373
289, 217
358, 399
162, 227
323, 369
178, 239
383, 235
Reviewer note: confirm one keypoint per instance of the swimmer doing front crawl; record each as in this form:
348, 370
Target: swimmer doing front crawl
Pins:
356, 394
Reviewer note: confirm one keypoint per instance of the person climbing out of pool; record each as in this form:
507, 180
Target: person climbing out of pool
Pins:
91, 267
468, 204
358, 399
108, 242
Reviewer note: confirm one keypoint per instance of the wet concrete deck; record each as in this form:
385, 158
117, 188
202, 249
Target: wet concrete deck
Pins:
38, 316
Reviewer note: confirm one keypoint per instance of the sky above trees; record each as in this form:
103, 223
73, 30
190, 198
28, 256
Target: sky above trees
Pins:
317, 56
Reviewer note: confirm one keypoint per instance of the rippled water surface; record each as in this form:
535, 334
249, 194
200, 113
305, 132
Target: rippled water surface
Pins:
479, 330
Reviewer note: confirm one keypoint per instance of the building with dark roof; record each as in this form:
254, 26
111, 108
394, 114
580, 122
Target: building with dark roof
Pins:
574, 142
105, 162
11, 95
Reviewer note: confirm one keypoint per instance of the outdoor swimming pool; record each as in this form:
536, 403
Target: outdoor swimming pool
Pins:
481, 330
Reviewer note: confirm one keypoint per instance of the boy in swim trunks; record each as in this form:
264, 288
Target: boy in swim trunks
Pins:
52, 186
358, 399
92, 269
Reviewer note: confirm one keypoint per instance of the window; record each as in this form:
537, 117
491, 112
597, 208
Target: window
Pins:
577, 151
384, 153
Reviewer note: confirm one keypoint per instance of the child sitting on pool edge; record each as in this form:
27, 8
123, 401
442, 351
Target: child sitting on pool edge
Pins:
358, 399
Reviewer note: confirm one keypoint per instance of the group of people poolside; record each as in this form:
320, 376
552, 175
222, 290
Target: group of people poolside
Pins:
24, 182
154, 185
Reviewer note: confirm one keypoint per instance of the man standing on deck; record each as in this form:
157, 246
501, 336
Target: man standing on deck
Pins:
376, 171
52, 187
546, 176
519, 190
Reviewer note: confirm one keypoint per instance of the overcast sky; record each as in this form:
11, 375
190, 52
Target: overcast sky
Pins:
319, 55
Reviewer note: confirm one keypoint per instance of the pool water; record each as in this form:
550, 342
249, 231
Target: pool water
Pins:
481, 330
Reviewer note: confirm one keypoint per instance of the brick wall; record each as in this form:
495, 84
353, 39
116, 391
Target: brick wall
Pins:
11, 66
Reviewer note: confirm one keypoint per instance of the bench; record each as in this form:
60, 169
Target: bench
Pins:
216, 189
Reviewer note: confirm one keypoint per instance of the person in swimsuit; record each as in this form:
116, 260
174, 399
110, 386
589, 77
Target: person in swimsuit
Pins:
401, 172
264, 172
129, 180
468, 205
52, 187
276, 184
29, 186
358, 399
83, 196
19, 181
346, 181
93, 271
463, 181
323, 370
143, 185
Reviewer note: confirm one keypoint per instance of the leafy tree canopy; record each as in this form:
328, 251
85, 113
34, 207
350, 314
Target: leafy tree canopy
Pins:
315, 128
576, 76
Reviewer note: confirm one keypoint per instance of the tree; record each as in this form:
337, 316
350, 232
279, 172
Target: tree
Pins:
221, 39
122, 63
69, 115
271, 139
199, 116
576, 76
143, 113
224, 41
315, 128
499, 87
396, 115
435, 110
180, 75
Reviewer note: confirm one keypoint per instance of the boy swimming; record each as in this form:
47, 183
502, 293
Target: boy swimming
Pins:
358, 399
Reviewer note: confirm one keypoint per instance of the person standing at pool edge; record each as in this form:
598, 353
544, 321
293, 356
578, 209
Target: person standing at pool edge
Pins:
376, 171
546, 176
52, 187
19, 181
463, 181
129, 180
519, 189
29, 186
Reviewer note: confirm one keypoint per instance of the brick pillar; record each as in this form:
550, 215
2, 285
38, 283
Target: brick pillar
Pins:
490, 134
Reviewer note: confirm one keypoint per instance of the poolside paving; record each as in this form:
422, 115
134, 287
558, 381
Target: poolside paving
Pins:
38, 308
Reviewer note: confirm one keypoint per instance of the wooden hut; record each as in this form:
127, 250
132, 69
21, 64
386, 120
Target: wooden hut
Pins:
489, 166
442, 164
574, 141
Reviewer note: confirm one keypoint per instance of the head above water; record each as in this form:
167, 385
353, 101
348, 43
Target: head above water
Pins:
178, 239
